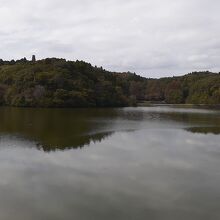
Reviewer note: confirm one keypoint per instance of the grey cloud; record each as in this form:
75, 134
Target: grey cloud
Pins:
150, 37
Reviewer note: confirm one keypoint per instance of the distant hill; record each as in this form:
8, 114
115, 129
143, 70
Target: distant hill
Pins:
56, 82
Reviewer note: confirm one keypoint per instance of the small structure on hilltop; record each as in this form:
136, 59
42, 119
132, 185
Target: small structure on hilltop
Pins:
33, 58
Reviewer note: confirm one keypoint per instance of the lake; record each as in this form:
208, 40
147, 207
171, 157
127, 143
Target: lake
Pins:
156, 163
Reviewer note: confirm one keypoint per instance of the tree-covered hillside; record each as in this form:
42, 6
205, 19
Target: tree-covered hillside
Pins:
193, 88
59, 83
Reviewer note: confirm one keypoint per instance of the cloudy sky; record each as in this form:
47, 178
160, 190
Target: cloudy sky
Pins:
150, 37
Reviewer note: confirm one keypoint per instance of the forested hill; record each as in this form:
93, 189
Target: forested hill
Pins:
59, 83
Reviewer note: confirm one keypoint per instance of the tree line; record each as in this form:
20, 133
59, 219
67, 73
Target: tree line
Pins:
56, 82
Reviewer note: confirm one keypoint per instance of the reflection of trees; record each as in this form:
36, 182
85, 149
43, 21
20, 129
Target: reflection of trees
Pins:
192, 118
74, 128
57, 128
205, 130
79, 142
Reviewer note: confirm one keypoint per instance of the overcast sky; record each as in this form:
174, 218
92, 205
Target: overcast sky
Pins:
150, 37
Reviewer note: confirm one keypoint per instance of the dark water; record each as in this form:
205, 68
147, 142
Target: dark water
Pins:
156, 163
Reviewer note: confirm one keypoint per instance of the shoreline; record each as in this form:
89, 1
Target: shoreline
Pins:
148, 104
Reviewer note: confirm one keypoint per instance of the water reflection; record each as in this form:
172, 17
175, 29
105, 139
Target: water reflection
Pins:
78, 142
63, 129
159, 174
56, 128
205, 130
157, 171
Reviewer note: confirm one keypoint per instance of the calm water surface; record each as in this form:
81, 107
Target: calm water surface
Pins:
156, 163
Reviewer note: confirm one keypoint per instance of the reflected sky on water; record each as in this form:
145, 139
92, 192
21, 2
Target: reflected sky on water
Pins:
157, 163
